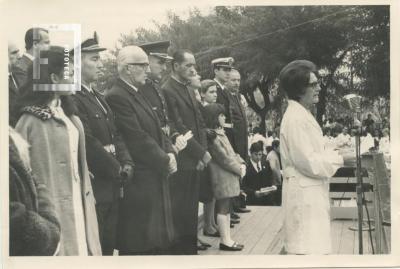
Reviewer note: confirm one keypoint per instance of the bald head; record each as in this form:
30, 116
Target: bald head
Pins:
13, 54
131, 55
133, 64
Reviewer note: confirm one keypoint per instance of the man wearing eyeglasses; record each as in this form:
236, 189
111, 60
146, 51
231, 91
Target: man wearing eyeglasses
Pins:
106, 152
145, 223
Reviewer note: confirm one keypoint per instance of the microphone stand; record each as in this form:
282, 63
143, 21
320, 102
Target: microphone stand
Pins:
359, 187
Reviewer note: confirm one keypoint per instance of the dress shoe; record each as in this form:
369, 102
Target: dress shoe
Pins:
235, 221
207, 245
235, 216
242, 210
201, 247
234, 247
216, 234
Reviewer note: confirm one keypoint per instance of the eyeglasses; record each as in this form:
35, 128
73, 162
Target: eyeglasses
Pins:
142, 65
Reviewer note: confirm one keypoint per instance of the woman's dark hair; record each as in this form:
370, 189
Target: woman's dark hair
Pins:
55, 65
295, 76
206, 84
211, 113
257, 147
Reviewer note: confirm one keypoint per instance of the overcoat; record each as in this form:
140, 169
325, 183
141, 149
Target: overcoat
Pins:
51, 162
185, 114
145, 222
224, 167
240, 127
100, 131
307, 168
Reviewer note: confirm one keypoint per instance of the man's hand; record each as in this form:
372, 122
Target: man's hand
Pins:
206, 158
257, 194
172, 166
242, 170
128, 169
200, 166
180, 142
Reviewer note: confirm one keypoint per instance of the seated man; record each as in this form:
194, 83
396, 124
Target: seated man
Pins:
258, 176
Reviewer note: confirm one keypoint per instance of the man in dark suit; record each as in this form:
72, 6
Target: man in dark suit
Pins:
258, 175
158, 59
222, 68
186, 116
145, 223
239, 131
36, 40
107, 154
13, 86
238, 115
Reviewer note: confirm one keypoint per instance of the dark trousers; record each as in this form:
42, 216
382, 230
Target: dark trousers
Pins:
107, 217
185, 205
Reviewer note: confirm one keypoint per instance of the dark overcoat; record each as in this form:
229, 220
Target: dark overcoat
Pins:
185, 114
100, 131
145, 214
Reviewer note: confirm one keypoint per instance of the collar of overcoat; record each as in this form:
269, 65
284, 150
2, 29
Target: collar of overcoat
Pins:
138, 97
301, 110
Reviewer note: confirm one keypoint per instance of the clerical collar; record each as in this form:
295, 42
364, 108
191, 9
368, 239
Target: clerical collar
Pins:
219, 83
180, 82
130, 85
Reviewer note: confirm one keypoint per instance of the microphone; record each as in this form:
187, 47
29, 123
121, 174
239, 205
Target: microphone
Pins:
353, 102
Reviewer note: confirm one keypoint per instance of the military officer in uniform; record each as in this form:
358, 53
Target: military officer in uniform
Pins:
107, 155
158, 60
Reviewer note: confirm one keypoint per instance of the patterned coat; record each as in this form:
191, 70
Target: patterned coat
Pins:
51, 162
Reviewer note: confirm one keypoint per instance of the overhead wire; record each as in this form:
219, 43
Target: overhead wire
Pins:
273, 32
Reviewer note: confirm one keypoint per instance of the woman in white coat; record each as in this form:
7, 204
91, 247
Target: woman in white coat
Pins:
307, 165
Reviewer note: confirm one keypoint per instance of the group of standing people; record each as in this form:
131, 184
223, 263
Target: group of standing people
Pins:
126, 170
122, 170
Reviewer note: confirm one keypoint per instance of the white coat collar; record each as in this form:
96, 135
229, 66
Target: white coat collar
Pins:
301, 110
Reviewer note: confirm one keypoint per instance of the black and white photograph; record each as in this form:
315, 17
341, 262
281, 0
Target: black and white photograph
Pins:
200, 134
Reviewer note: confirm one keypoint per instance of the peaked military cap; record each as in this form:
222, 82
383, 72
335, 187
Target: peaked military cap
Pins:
223, 62
158, 49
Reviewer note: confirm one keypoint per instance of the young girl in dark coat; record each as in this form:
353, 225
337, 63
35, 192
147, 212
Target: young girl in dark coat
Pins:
226, 169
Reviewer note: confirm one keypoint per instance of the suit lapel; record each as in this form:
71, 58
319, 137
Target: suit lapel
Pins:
183, 92
139, 98
90, 97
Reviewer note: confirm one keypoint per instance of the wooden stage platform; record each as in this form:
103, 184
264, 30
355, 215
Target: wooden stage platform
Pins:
260, 232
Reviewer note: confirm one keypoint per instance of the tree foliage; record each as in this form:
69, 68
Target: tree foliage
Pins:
349, 43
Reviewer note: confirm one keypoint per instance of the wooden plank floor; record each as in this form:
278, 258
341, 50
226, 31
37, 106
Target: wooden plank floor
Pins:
261, 233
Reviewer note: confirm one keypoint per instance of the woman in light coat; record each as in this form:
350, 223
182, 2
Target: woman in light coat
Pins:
58, 156
307, 166
226, 169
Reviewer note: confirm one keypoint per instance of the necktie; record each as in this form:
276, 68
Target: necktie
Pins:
258, 167
98, 101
